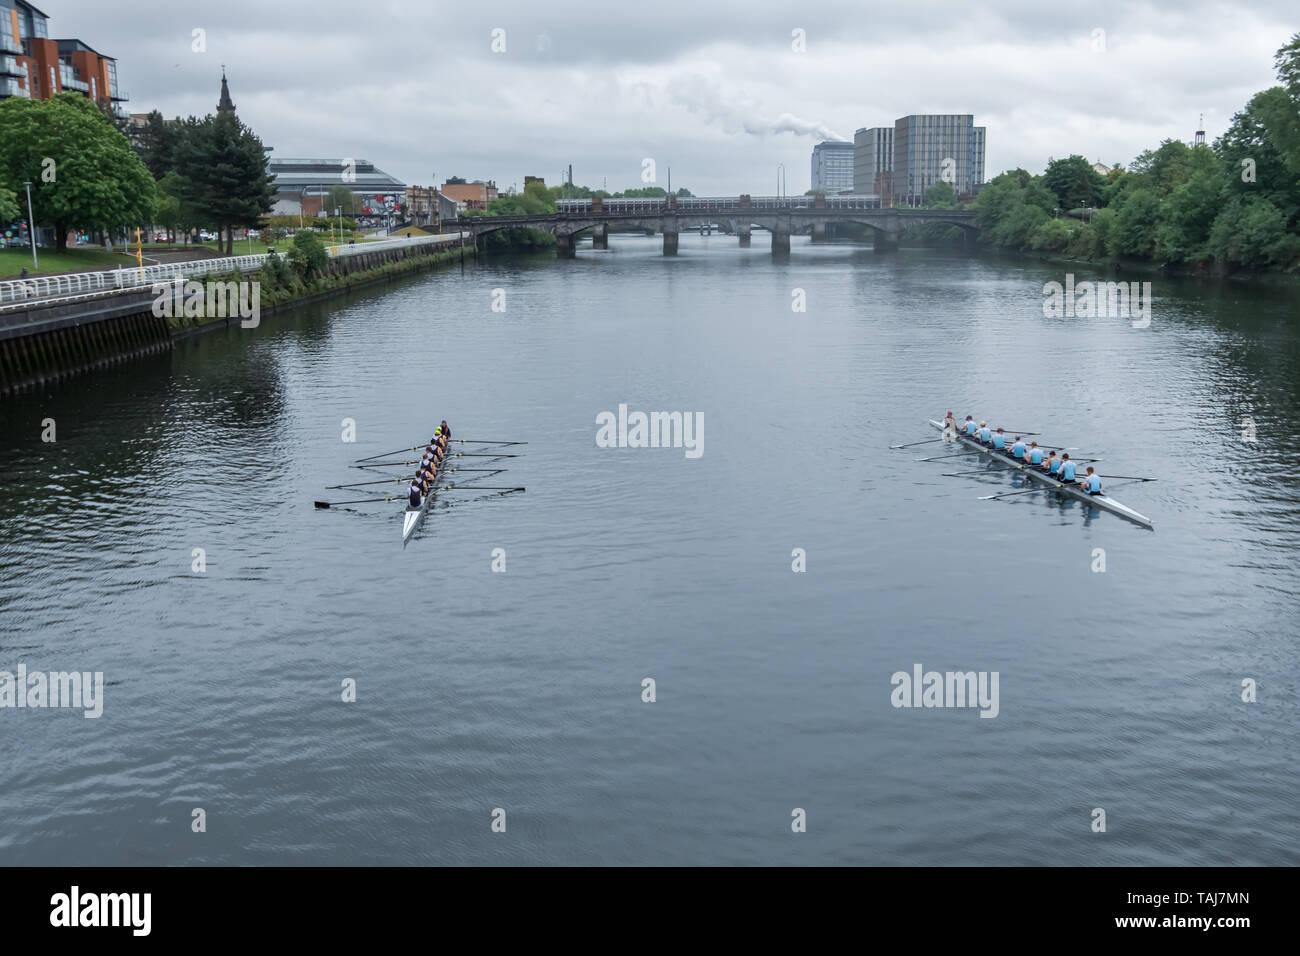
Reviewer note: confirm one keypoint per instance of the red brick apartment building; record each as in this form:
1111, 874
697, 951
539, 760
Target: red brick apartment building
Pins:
34, 66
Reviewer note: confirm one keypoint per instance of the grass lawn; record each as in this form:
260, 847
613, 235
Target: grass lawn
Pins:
14, 259
242, 247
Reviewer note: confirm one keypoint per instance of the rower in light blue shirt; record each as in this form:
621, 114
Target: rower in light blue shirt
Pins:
984, 432
999, 440
1066, 474
1092, 482
970, 426
1018, 449
1035, 454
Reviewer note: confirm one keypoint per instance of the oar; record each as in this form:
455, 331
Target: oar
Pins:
1009, 494
397, 451
942, 457
958, 474
1058, 487
455, 454
381, 481
454, 487
911, 444
470, 441
358, 501
1123, 477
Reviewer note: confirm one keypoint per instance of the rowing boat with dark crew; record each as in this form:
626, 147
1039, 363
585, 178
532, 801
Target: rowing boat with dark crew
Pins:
430, 469
424, 484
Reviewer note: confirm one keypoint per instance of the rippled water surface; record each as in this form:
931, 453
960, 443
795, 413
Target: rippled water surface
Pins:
522, 690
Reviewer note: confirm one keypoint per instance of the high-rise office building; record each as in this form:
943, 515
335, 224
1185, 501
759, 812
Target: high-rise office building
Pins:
36, 67
873, 159
832, 167
933, 148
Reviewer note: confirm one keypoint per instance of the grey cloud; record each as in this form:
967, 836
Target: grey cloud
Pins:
713, 88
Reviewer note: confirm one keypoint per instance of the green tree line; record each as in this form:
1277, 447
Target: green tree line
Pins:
86, 175
210, 173
1235, 203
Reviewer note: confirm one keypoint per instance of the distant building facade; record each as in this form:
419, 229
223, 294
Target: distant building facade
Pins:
302, 184
426, 206
475, 195
36, 67
873, 159
832, 167
936, 147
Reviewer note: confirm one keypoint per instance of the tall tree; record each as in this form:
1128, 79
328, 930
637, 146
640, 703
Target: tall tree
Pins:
175, 211
941, 196
1136, 222
9, 210
1187, 217
1074, 182
157, 144
83, 172
224, 169
1252, 163
1168, 166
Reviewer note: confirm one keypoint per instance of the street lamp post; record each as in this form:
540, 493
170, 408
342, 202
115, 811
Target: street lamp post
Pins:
780, 180
31, 224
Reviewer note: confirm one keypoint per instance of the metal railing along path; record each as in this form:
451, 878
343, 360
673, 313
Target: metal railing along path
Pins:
80, 284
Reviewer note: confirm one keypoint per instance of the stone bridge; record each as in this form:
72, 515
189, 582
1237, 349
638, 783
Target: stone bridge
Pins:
782, 216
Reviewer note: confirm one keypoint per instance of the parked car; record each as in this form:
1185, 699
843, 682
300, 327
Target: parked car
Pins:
207, 236
160, 238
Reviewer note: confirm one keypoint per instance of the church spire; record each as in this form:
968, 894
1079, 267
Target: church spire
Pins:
225, 105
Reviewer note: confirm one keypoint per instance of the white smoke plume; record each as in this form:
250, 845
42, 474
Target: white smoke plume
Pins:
737, 112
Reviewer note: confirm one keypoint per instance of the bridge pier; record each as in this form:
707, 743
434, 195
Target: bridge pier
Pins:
884, 242
565, 247
821, 233
743, 233
670, 243
780, 244
600, 237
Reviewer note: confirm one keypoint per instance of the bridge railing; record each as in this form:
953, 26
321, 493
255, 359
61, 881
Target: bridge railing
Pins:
721, 205
130, 277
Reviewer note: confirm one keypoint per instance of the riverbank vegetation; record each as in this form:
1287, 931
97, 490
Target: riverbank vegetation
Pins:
306, 273
1228, 206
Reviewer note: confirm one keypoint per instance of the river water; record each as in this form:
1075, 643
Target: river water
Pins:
1119, 690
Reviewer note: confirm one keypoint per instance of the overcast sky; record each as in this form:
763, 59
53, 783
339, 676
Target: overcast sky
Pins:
711, 87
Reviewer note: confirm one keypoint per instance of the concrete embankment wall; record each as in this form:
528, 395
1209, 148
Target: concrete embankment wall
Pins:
44, 343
